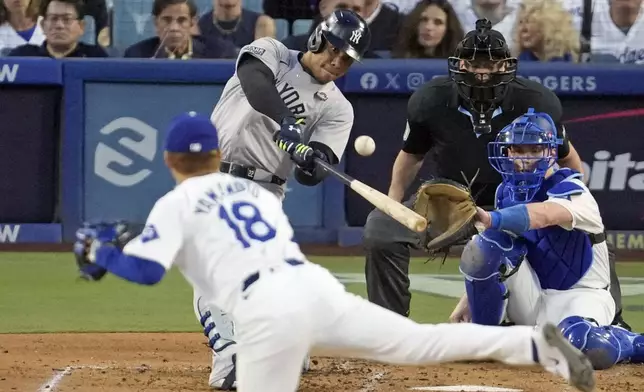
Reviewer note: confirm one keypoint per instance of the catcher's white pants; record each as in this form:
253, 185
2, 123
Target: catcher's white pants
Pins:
528, 304
294, 309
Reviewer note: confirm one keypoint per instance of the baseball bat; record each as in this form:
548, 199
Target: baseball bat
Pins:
384, 203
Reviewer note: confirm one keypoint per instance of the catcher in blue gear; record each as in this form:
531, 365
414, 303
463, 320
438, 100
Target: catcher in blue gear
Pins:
541, 255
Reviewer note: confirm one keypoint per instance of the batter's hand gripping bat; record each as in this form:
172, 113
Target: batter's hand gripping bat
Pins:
384, 203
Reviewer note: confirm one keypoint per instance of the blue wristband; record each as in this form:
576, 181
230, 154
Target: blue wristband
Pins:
514, 219
495, 218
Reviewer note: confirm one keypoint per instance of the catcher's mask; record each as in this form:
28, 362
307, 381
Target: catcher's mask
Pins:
523, 152
482, 66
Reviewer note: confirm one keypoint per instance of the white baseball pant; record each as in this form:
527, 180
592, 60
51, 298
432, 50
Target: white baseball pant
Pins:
528, 304
295, 309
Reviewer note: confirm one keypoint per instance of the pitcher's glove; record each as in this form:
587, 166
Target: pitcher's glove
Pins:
90, 238
449, 209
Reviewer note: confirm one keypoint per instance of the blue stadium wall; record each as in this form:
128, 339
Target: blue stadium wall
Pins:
82, 140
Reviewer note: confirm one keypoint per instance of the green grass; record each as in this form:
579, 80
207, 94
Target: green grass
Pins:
40, 292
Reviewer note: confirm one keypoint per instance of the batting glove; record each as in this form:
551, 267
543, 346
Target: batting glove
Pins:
307, 164
300, 153
290, 130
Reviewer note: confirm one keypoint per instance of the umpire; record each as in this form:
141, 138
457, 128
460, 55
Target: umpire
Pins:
454, 118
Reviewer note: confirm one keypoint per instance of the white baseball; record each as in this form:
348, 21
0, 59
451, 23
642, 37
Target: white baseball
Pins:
364, 145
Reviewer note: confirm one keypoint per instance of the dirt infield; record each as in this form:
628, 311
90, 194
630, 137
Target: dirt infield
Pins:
180, 362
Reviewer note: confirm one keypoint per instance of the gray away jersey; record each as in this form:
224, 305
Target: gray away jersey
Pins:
246, 136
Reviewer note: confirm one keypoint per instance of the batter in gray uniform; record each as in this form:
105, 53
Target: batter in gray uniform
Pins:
279, 111
322, 113
277, 89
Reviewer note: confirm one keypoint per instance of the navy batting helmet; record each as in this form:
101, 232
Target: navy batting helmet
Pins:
345, 30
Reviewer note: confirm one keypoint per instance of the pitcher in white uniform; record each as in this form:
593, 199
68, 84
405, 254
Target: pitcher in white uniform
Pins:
280, 109
232, 241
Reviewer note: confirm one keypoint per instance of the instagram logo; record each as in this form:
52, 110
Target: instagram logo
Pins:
415, 80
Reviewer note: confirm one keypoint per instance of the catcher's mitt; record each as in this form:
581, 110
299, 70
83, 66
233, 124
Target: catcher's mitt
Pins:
450, 210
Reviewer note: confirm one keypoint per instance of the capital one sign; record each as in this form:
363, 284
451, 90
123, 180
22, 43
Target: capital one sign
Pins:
109, 163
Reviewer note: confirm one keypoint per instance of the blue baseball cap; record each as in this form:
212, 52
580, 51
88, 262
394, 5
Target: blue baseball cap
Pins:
191, 132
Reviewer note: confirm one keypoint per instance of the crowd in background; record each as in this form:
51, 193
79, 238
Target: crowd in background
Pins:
536, 30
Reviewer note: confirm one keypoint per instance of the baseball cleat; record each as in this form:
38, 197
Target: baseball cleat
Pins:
560, 357
219, 385
223, 374
229, 383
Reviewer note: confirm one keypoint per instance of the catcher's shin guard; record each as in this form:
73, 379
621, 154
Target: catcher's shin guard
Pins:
483, 261
605, 346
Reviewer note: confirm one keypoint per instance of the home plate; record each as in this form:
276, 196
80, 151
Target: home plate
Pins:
465, 388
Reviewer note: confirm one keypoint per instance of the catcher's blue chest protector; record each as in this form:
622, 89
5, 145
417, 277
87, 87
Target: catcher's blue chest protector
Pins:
559, 257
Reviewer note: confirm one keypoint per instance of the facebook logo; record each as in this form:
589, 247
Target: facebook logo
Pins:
369, 81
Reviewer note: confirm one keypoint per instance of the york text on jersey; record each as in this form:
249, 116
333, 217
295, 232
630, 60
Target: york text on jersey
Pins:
292, 99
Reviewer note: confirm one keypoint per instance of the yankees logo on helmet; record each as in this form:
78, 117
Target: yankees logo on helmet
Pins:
345, 30
355, 36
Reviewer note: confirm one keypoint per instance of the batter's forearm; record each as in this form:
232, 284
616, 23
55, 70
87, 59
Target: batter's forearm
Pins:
405, 170
258, 83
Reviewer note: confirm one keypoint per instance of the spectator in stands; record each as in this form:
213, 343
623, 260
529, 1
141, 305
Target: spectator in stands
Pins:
63, 26
97, 9
403, 6
544, 31
174, 20
431, 30
618, 32
230, 21
385, 23
19, 24
499, 12
291, 9
328, 6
